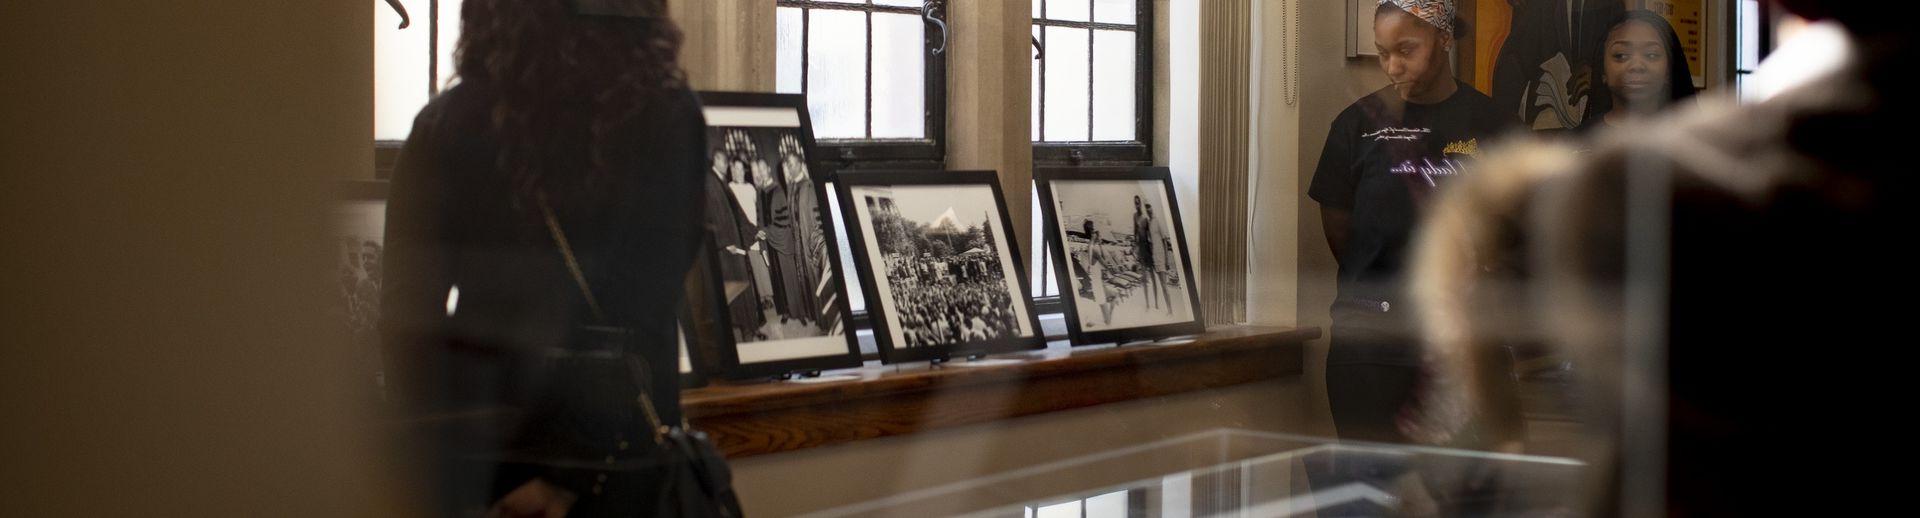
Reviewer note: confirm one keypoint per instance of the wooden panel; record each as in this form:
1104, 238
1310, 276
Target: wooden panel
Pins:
747, 420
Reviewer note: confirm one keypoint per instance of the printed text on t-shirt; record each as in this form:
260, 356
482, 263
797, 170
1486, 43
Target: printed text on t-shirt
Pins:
1385, 134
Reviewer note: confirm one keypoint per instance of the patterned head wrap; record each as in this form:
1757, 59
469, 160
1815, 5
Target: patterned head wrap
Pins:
1439, 13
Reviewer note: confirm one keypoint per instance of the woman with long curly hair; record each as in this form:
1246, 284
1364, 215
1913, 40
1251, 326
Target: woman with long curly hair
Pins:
572, 123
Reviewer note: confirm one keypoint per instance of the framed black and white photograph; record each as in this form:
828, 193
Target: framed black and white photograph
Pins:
780, 293
359, 218
1117, 242
941, 270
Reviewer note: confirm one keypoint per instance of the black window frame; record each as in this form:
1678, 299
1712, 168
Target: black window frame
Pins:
928, 152
1136, 152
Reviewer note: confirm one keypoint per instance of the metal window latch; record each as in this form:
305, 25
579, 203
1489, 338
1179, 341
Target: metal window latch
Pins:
1077, 155
404, 19
928, 11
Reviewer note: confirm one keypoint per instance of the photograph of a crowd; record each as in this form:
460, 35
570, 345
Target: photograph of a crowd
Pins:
1124, 264
778, 283
947, 274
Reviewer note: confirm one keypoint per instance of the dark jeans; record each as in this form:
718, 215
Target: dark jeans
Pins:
1372, 369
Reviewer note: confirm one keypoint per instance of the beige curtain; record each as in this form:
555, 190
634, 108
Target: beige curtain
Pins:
1225, 113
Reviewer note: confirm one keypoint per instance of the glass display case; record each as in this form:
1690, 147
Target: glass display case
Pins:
1232, 472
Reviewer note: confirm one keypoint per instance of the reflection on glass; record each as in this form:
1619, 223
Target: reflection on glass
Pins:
399, 73
1066, 85
899, 84
1068, 10
1113, 83
1115, 11
837, 72
787, 74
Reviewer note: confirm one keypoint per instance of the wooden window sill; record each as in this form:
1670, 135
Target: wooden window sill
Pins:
755, 419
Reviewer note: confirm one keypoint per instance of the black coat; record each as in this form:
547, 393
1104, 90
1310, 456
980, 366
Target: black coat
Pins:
472, 375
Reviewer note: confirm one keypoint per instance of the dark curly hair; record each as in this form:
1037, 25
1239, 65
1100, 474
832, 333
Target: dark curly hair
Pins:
565, 85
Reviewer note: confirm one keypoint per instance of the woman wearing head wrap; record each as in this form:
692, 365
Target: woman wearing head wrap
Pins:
1385, 156
1645, 69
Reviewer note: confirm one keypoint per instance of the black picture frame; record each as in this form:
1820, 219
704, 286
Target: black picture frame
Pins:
880, 310
728, 357
1044, 179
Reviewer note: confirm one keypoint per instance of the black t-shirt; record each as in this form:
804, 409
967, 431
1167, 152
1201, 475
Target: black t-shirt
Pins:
1384, 160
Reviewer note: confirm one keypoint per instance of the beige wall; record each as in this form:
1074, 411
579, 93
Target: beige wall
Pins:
166, 346
729, 43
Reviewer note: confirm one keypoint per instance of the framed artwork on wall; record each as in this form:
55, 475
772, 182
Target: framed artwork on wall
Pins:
1115, 236
779, 291
940, 268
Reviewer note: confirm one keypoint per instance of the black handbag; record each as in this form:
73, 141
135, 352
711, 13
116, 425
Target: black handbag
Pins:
603, 384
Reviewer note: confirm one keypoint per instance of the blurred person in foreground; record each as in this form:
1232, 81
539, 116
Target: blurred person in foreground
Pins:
572, 114
1723, 275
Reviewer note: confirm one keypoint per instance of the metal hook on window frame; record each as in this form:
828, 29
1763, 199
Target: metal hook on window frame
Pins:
405, 20
1039, 51
928, 11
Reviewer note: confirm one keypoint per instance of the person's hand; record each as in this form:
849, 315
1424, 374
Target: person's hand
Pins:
536, 498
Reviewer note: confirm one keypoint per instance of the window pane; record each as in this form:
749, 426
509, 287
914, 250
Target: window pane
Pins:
1037, 4
1066, 88
1069, 10
1035, 127
787, 65
449, 39
1113, 85
1115, 11
900, 3
1112, 505
399, 73
1066, 510
1749, 34
837, 73
899, 76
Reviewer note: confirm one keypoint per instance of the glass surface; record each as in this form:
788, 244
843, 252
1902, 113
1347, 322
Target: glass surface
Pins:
790, 48
1038, 5
1113, 85
1068, 10
399, 73
837, 73
899, 3
1116, 11
899, 76
1231, 472
1066, 88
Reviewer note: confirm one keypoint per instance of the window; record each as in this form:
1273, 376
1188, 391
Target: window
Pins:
1092, 82
410, 66
874, 72
1754, 41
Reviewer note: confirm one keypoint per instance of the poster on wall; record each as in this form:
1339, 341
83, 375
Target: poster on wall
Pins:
1689, 21
1116, 239
784, 303
939, 264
